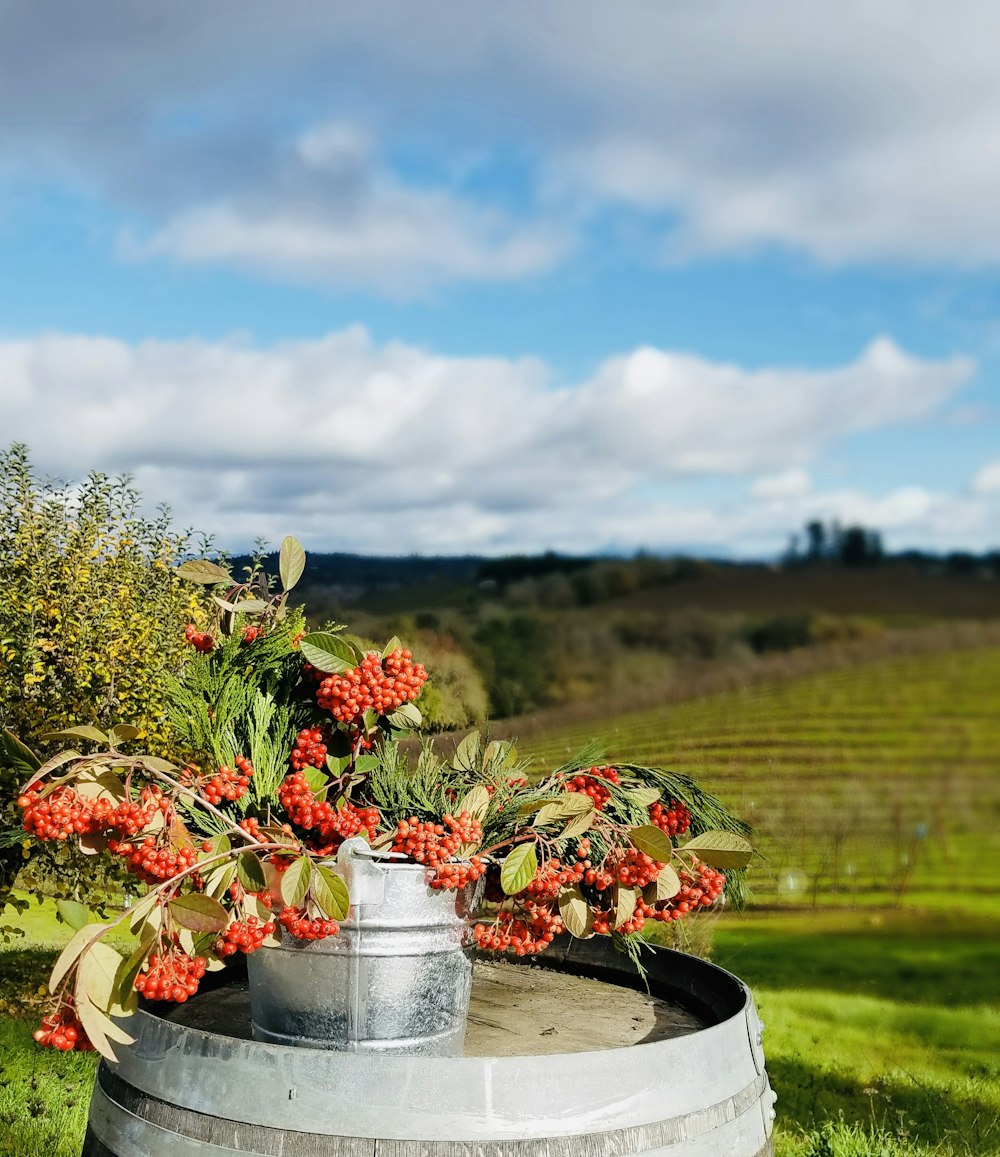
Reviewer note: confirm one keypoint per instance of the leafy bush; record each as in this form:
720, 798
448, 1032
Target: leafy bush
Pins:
92, 613
455, 696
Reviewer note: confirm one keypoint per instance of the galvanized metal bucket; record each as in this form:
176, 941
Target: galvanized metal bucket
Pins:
396, 980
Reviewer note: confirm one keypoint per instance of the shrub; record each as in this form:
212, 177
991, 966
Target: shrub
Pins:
92, 612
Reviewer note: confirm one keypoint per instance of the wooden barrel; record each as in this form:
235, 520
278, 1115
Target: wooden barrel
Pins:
576, 1059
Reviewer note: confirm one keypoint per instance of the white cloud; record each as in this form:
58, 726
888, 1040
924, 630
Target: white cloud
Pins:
788, 484
332, 214
853, 132
987, 480
394, 448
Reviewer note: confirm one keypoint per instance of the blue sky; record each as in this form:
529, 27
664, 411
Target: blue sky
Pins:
513, 277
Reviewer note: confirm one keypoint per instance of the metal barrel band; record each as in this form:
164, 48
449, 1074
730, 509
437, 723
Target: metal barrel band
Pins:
120, 1110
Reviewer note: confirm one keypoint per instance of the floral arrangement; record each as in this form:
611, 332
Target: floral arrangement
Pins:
293, 745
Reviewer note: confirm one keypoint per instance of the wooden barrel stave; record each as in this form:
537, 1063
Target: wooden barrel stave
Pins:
188, 1092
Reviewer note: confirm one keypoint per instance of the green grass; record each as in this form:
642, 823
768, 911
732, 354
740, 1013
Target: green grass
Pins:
879, 1026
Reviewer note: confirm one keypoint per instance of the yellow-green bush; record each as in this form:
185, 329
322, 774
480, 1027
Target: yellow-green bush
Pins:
92, 613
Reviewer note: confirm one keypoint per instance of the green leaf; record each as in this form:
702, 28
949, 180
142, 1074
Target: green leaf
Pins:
576, 913
645, 796
218, 879
405, 717
501, 752
130, 968
330, 893
250, 607
326, 652
393, 645
467, 753
476, 802
200, 570
95, 1024
317, 779
338, 764
668, 883
219, 845
71, 953
721, 849
518, 869
250, 873
291, 562
99, 967
84, 731
579, 825
74, 914
16, 755
155, 763
653, 841
295, 881
625, 902
122, 732
575, 803
142, 909
548, 814
199, 913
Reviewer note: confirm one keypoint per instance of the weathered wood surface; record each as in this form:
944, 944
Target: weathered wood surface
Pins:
514, 1011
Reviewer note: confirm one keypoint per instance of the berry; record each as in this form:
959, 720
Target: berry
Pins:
250, 634
453, 877
701, 886
590, 784
243, 936
153, 862
672, 817
377, 684
309, 749
331, 826
62, 1029
228, 784
201, 640
171, 976
297, 923
432, 844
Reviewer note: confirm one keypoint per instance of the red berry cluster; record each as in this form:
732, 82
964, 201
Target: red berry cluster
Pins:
251, 826
633, 868
522, 936
309, 749
604, 921
200, 640
62, 1030
63, 813
552, 877
250, 634
378, 684
672, 817
432, 844
590, 784
453, 877
330, 825
297, 923
171, 976
228, 784
701, 886
243, 936
153, 862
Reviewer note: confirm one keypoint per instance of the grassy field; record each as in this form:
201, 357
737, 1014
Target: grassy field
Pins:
870, 786
874, 952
